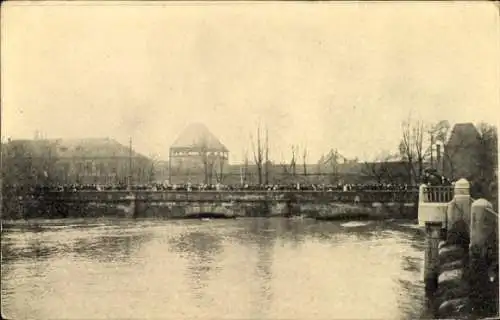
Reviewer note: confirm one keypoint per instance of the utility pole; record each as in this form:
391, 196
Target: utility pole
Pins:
170, 166
267, 157
130, 162
241, 175
431, 133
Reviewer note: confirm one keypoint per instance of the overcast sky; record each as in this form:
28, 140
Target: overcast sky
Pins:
325, 75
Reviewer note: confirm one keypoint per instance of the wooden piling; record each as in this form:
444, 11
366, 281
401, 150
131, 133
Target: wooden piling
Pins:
431, 268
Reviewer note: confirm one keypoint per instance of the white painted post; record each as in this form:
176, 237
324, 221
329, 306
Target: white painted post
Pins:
462, 201
458, 214
482, 223
422, 197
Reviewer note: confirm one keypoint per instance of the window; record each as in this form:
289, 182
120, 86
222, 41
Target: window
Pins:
102, 169
65, 168
88, 168
80, 168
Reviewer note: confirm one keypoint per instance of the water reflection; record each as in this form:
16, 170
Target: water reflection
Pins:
246, 268
34, 249
201, 250
263, 268
110, 247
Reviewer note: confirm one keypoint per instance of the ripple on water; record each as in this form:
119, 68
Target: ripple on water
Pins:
353, 224
251, 268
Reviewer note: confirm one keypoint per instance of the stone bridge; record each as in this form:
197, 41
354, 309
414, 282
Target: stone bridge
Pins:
185, 204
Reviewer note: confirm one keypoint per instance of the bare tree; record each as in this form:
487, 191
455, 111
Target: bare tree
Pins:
412, 149
28, 165
267, 157
333, 160
244, 174
208, 161
284, 167
488, 159
319, 166
489, 148
438, 133
304, 159
258, 155
219, 172
380, 170
293, 161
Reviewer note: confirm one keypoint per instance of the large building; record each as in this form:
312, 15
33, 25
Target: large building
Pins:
462, 152
68, 161
197, 156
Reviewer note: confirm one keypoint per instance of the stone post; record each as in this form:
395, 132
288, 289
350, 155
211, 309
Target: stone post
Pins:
482, 224
483, 256
451, 296
422, 195
21, 207
458, 215
431, 268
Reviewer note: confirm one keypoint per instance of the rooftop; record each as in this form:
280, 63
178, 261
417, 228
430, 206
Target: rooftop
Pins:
196, 136
84, 148
463, 134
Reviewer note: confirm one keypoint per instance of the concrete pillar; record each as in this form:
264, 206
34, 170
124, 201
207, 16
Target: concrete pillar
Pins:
483, 223
463, 199
483, 256
431, 267
458, 214
451, 215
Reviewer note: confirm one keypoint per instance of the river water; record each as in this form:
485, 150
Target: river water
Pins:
250, 268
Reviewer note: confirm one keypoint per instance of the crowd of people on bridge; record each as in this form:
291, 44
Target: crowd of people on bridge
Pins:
189, 187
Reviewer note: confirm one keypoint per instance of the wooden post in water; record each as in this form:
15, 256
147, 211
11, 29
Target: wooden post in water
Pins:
431, 268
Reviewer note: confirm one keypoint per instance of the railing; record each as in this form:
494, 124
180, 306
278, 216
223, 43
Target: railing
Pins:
439, 194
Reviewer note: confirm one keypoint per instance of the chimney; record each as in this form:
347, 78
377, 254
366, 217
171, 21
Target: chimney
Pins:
438, 157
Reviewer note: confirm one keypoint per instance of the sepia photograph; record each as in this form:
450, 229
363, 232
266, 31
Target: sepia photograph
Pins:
249, 160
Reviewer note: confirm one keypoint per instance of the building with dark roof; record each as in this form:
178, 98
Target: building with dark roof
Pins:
461, 152
197, 156
82, 161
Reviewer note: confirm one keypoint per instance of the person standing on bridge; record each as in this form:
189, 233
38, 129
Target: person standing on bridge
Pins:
433, 178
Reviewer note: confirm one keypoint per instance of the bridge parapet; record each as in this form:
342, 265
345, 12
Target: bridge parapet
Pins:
433, 203
238, 196
461, 258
